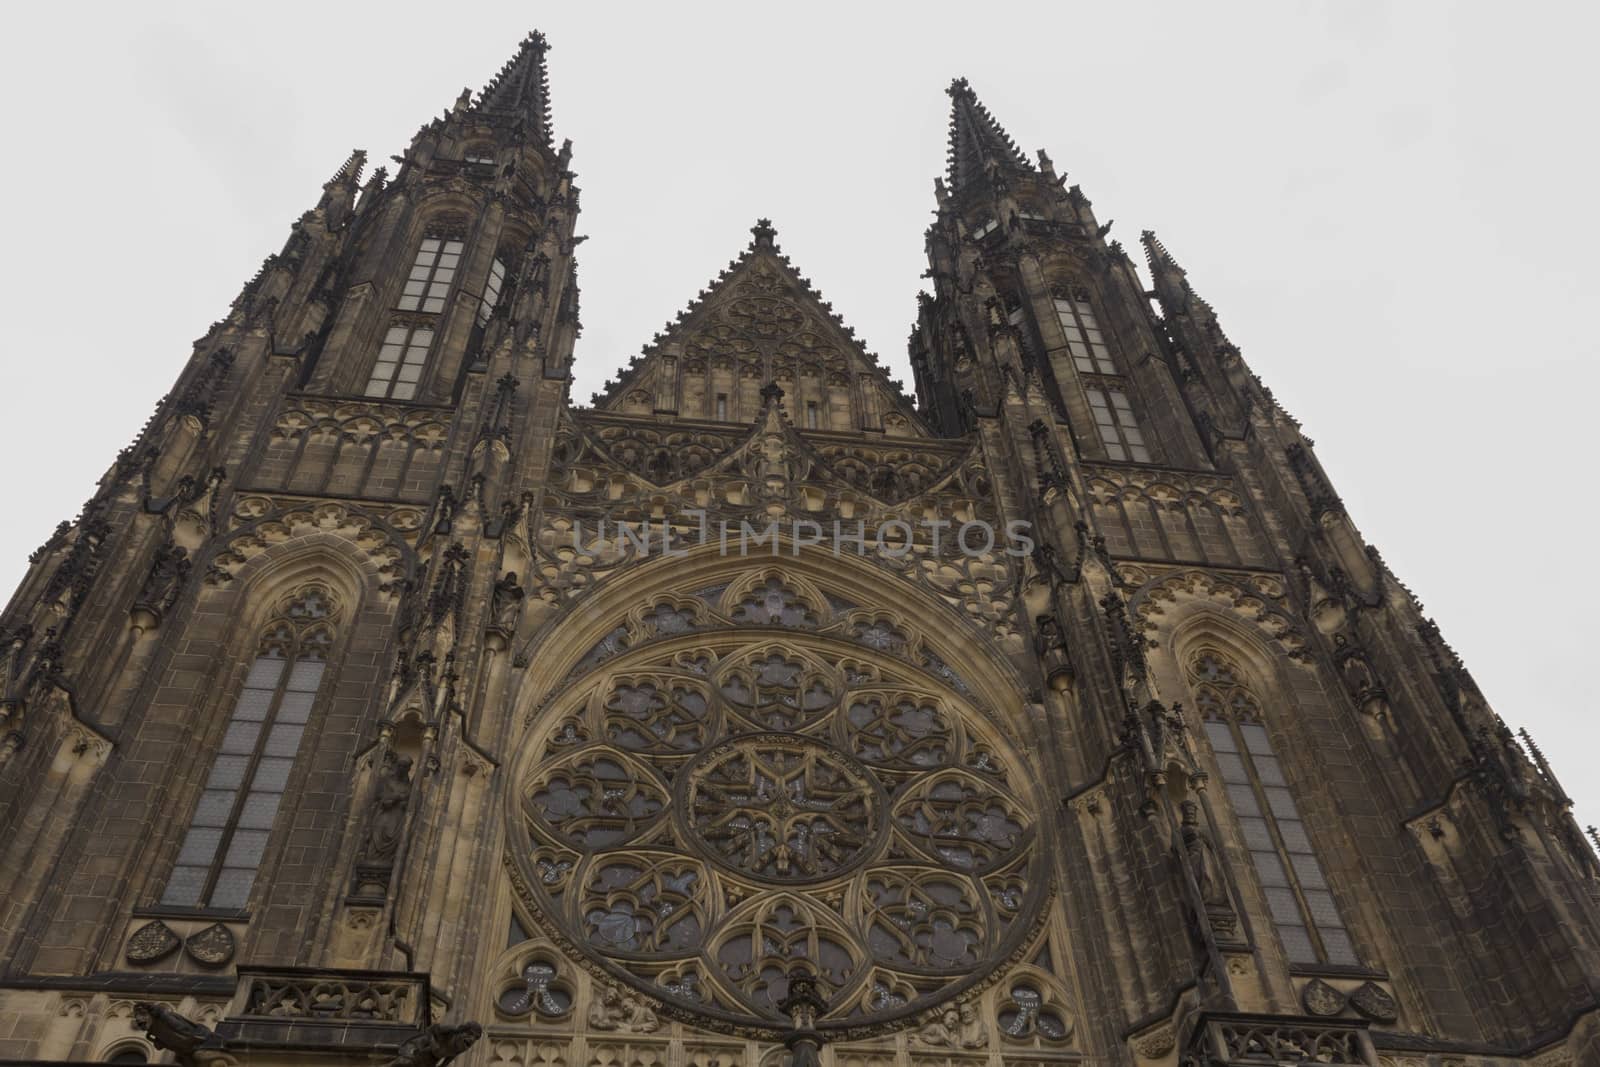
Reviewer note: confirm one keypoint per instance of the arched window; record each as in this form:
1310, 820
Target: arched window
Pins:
228, 831
1114, 420
1302, 909
397, 372
761, 773
431, 274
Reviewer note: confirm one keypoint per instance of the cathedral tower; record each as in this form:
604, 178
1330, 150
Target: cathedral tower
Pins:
383, 705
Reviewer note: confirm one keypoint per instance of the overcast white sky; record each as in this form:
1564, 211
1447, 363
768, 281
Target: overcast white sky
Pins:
1392, 207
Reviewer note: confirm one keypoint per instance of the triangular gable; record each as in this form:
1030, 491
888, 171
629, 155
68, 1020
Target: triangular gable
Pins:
759, 323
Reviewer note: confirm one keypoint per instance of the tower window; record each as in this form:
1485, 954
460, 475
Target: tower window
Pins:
1084, 340
811, 414
722, 406
400, 361
228, 831
986, 227
1119, 431
431, 274
1302, 909
491, 291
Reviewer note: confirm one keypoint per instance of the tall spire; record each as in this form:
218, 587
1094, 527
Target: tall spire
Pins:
1171, 281
1155, 253
521, 90
977, 141
349, 173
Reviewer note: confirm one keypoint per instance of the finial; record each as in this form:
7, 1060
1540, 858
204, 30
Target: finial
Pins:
959, 88
764, 234
771, 394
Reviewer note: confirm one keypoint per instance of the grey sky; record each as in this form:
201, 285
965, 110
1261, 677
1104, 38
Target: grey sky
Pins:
1390, 206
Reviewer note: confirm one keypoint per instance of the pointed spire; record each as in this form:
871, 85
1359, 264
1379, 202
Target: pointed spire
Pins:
339, 191
521, 90
977, 142
350, 171
1170, 280
1155, 253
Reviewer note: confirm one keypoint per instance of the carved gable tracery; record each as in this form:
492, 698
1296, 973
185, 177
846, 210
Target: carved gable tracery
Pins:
759, 323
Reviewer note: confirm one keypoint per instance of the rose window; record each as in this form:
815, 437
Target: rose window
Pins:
708, 809
782, 807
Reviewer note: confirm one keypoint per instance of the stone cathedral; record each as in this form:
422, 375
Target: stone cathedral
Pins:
386, 706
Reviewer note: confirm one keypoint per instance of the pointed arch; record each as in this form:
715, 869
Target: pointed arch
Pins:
1232, 674
294, 606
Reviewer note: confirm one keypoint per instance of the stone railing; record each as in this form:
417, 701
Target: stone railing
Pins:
1228, 1039
329, 995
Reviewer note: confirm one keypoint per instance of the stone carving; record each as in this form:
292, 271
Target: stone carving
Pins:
212, 946
165, 580
190, 1043
1276, 1043
506, 608
386, 819
1206, 868
151, 942
955, 1027
612, 1009
974, 1031
436, 1046
1373, 1001
1320, 998
389, 802
1051, 645
1155, 1044
327, 997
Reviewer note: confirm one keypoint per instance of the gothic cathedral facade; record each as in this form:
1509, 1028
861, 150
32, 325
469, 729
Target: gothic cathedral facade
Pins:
385, 706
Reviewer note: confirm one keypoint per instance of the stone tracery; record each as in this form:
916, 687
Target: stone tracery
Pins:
714, 805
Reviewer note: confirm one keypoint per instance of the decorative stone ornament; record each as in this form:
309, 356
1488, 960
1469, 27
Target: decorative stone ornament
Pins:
151, 942
212, 947
1320, 998
1373, 1001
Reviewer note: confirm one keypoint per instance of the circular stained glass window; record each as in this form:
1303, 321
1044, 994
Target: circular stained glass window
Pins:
716, 807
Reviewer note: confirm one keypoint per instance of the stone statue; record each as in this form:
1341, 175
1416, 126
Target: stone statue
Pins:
389, 809
436, 1046
974, 1034
1207, 872
611, 1009
944, 1031
506, 606
641, 1018
167, 572
605, 1010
